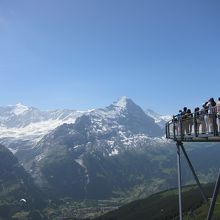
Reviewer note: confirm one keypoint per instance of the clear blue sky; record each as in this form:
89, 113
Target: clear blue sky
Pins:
82, 54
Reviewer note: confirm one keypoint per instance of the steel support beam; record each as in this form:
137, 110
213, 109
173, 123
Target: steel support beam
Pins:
214, 197
194, 173
178, 144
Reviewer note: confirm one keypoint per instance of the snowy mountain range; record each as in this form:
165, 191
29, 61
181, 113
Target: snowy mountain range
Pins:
159, 119
29, 124
122, 125
66, 150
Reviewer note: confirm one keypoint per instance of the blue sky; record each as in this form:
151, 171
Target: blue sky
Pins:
83, 54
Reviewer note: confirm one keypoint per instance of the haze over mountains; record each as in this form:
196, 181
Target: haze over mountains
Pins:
76, 151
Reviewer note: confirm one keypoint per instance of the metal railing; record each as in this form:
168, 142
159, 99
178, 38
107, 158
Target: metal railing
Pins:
200, 125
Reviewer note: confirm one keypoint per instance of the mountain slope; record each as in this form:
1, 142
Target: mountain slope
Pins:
90, 144
161, 120
160, 206
16, 185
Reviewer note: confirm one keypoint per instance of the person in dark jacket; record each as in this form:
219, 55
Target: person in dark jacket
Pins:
197, 121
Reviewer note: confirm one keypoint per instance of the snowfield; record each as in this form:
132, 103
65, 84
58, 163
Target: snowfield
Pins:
28, 125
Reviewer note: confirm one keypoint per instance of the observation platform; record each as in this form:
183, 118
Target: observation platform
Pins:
196, 127
201, 126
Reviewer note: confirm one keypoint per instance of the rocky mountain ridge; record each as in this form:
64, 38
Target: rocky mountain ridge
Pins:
73, 152
28, 125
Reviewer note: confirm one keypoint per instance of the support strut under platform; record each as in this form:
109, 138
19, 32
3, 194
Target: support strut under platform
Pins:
214, 197
180, 146
179, 180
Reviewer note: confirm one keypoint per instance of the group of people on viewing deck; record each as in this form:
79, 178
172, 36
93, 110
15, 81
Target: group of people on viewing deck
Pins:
204, 120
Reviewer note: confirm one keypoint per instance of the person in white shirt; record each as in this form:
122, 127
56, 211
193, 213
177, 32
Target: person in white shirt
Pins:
212, 116
204, 113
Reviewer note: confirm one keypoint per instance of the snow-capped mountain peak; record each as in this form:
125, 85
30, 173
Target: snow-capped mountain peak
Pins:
122, 102
19, 109
126, 104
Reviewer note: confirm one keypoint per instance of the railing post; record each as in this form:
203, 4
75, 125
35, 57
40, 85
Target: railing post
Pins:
166, 127
215, 124
181, 129
174, 128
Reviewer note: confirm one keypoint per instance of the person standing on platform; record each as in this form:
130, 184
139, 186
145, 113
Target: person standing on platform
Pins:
179, 118
189, 120
197, 120
212, 116
206, 117
184, 121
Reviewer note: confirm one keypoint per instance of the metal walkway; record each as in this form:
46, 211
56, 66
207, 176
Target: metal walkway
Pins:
194, 127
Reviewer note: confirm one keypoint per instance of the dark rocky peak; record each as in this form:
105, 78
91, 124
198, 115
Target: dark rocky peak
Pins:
7, 159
